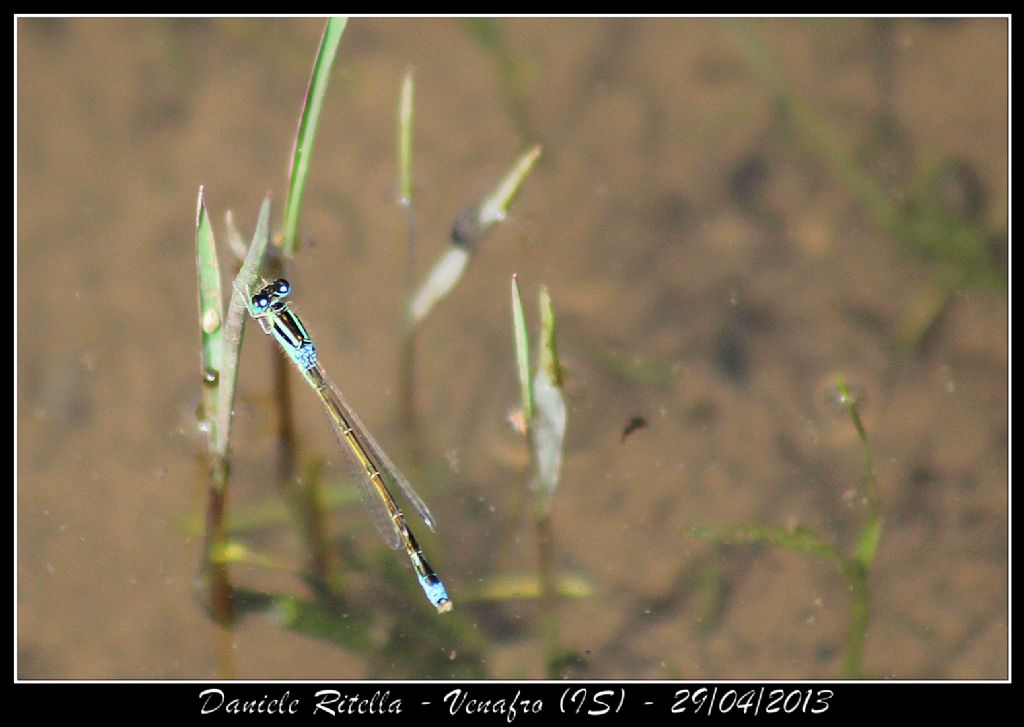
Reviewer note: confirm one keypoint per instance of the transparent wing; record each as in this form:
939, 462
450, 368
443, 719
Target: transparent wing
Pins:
379, 504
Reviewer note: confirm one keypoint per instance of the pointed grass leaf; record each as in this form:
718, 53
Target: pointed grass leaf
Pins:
302, 149
550, 415
522, 351
405, 140
495, 206
211, 316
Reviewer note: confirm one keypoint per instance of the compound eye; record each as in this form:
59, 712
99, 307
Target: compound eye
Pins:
260, 301
282, 287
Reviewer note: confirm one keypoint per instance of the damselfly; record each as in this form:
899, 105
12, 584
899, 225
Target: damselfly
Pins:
370, 467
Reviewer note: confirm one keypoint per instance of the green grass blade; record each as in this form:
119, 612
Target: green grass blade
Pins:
811, 129
405, 185
487, 32
273, 512
218, 390
849, 402
211, 317
509, 587
871, 533
550, 415
234, 328
303, 149
495, 206
867, 542
405, 141
235, 553
548, 346
522, 352
797, 539
247, 276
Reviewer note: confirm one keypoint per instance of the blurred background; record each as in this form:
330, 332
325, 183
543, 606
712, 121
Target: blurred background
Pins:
726, 214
